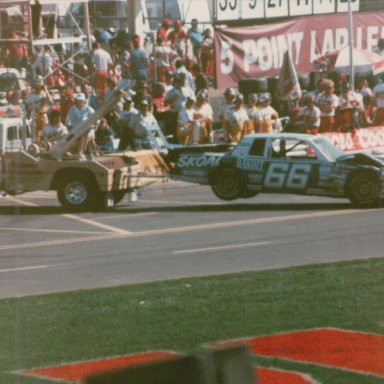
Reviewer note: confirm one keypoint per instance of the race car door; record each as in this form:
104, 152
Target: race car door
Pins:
292, 165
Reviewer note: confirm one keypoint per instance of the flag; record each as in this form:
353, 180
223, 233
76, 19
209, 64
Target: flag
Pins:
288, 86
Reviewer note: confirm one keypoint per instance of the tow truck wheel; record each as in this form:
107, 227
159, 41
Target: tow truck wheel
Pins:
363, 190
226, 184
77, 193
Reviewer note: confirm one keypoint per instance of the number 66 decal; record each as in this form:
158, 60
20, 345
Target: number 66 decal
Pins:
286, 175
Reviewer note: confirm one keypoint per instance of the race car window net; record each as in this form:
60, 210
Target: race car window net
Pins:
257, 148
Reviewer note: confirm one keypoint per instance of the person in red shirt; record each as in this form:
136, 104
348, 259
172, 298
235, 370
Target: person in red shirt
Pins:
66, 102
16, 53
162, 32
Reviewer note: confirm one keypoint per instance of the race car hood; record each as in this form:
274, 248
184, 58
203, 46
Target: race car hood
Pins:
362, 159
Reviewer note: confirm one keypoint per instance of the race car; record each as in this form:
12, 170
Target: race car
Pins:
281, 163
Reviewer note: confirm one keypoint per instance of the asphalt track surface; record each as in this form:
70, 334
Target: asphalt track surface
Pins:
175, 230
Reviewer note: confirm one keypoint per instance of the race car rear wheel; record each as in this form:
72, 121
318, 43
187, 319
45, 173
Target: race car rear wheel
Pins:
226, 184
363, 189
78, 193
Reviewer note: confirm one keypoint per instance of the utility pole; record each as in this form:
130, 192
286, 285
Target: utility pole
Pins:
351, 43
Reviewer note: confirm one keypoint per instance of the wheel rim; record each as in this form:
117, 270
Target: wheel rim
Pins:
227, 184
75, 193
365, 189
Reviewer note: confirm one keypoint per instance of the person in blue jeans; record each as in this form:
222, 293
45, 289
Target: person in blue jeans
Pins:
138, 61
196, 39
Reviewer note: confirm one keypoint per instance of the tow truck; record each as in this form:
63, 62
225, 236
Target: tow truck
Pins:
81, 182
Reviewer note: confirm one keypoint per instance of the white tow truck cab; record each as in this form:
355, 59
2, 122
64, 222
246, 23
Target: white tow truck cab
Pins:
15, 133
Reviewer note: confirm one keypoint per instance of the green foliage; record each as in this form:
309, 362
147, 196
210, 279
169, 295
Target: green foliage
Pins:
182, 315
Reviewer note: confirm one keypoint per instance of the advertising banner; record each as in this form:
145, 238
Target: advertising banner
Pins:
364, 139
258, 51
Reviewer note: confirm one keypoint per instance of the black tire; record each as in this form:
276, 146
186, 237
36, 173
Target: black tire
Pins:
363, 189
247, 86
78, 193
226, 184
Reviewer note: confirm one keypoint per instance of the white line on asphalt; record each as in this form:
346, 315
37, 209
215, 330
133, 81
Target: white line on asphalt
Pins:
128, 215
16, 200
97, 224
40, 244
154, 232
179, 202
222, 248
50, 231
83, 220
24, 268
263, 220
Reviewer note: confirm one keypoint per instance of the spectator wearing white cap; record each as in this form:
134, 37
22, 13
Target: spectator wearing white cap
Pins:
142, 124
79, 112
235, 119
267, 115
188, 128
252, 112
229, 97
204, 114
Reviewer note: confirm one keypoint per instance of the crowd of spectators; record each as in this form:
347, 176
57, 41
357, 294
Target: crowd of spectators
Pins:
172, 80
334, 107
72, 82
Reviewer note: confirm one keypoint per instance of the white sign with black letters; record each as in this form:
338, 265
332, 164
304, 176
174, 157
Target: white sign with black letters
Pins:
300, 7
231, 10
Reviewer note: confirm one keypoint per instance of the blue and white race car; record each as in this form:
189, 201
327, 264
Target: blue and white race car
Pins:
283, 163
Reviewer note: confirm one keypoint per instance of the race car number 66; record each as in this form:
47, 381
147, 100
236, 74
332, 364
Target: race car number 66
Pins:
286, 175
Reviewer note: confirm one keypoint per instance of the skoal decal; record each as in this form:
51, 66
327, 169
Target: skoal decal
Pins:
198, 161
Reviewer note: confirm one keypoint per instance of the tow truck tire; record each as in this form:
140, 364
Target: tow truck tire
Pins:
363, 190
78, 193
226, 184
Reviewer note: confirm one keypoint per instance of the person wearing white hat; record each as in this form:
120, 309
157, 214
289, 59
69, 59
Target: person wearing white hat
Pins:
204, 114
79, 112
188, 128
235, 119
253, 112
229, 97
267, 115
141, 125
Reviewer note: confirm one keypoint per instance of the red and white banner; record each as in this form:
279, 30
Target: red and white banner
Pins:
363, 139
251, 52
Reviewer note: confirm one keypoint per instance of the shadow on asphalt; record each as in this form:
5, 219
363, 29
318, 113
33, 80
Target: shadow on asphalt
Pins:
18, 210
